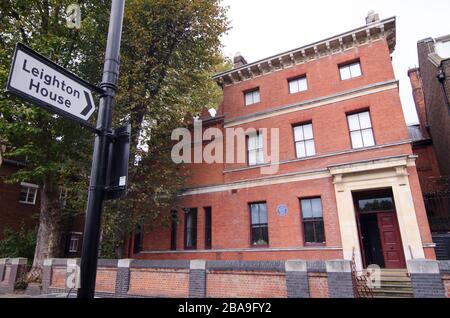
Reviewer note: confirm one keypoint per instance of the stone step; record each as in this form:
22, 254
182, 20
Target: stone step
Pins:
393, 296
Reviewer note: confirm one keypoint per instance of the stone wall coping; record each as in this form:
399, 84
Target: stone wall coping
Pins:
160, 264
48, 262
198, 265
423, 266
296, 266
18, 261
124, 263
261, 266
59, 261
338, 266
316, 267
444, 266
108, 263
73, 262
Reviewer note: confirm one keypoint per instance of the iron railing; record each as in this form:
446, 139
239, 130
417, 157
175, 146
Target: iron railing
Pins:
361, 281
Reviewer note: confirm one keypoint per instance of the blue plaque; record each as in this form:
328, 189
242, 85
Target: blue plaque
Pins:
282, 210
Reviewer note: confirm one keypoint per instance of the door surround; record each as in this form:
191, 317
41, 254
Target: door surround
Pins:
379, 214
376, 174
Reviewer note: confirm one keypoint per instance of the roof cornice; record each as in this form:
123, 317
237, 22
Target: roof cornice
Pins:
371, 32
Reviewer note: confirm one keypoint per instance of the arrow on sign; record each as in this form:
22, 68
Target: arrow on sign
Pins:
89, 104
42, 82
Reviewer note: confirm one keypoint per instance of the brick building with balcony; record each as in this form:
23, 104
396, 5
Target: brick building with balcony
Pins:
345, 183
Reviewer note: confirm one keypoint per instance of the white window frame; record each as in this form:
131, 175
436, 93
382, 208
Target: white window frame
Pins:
258, 150
298, 84
360, 130
74, 237
28, 187
252, 97
351, 70
303, 140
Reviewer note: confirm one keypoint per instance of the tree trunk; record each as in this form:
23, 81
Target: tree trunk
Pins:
48, 241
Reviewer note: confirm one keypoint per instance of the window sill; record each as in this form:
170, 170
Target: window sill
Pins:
366, 147
27, 203
259, 246
251, 104
351, 78
315, 244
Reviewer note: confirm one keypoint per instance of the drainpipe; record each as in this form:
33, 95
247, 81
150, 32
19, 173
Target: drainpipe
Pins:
441, 78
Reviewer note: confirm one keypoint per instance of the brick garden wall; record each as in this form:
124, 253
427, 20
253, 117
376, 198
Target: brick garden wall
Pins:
222, 279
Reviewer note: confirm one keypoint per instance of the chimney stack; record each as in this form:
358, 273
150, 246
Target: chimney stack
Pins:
372, 17
239, 60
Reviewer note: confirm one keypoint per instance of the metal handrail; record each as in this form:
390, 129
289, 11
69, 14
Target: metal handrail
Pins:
361, 287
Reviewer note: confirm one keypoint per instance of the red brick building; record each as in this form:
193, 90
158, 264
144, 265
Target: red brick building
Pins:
345, 180
426, 163
19, 203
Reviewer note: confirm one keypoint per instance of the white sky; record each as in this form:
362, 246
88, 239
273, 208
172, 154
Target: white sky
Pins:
262, 28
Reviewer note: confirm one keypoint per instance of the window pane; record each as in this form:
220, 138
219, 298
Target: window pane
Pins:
308, 131
356, 139
260, 235
262, 213
293, 87
260, 140
379, 204
252, 142
306, 209
355, 70
309, 232
302, 84
367, 136
310, 148
31, 195
23, 194
252, 157
256, 98
254, 213
320, 233
298, 132
353, 122
260, 157
248, 98
300, 148
316, 208
364, 120
345, 72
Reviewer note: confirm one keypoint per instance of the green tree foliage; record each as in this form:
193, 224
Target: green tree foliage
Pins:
18, 244
56, 151
170, 50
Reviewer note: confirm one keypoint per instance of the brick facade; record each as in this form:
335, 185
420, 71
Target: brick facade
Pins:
228, 188
436, 100
14, 214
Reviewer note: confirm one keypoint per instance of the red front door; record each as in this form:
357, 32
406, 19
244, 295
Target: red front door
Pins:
390, 240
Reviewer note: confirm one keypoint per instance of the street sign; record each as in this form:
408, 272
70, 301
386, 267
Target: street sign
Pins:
42, 82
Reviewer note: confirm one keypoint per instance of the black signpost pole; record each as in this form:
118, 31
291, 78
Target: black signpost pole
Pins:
98, 181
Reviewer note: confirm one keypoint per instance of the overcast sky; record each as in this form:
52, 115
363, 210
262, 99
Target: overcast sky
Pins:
262, 28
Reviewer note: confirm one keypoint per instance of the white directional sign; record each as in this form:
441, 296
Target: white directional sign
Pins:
37, 79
